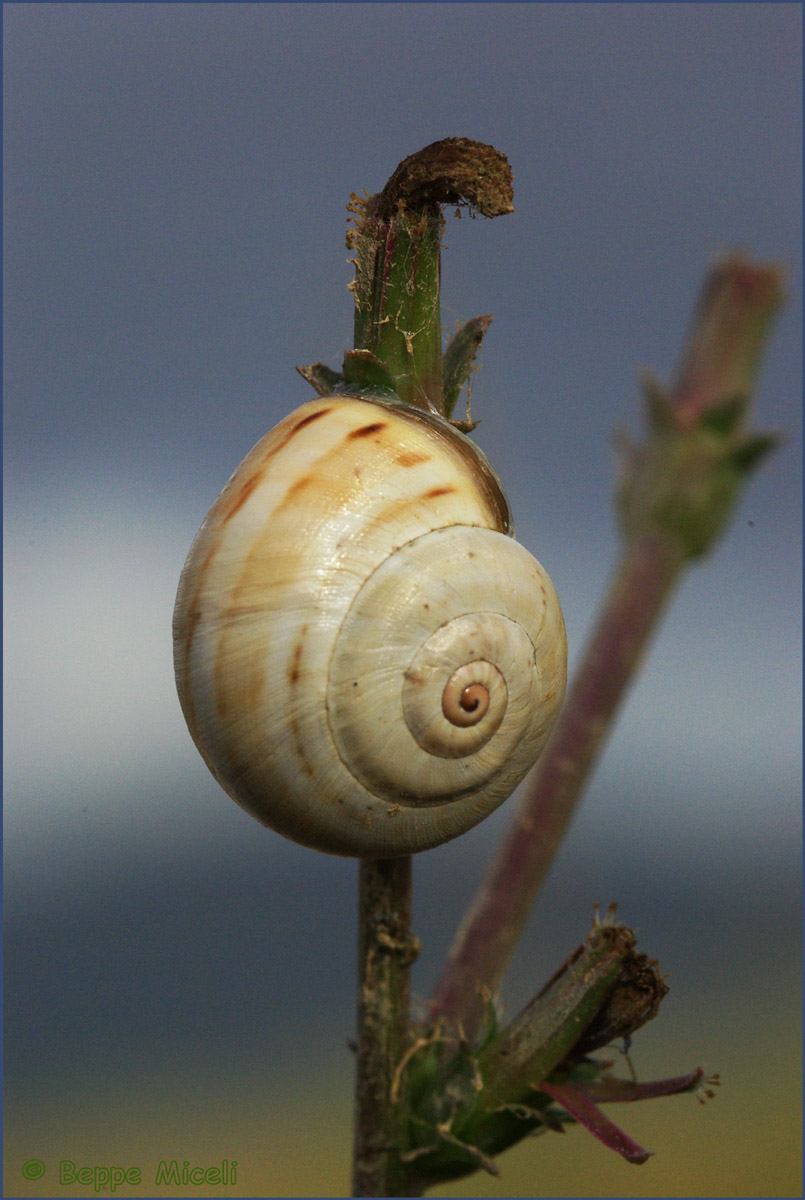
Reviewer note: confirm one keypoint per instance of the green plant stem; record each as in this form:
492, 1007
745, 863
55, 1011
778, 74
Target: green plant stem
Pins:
386, 949
397, 244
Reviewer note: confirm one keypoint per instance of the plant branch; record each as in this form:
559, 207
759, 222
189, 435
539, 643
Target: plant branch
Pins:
386, 949
676, 496
397, 243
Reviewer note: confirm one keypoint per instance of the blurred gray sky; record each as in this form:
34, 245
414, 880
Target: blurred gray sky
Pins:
175, 185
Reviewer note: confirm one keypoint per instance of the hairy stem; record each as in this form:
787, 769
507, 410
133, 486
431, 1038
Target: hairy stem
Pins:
397, 242
386, 949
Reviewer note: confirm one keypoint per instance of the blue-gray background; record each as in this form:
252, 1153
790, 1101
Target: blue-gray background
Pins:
180, 980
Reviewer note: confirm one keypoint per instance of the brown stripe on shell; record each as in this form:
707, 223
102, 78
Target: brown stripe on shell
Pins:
393, 511
233, 498
299, 746
183, 636
366, 430
411, 458
297, 486
439, 491
307, 420
323, 476
487, 481
293, 670
244, 491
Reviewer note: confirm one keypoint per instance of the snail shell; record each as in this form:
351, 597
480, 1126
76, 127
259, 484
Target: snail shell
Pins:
366, 659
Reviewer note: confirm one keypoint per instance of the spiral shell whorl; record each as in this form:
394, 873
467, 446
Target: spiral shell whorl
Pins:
335, 624
467, 694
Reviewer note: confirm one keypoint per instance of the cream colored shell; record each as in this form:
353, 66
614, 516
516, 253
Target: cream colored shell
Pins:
365, 658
